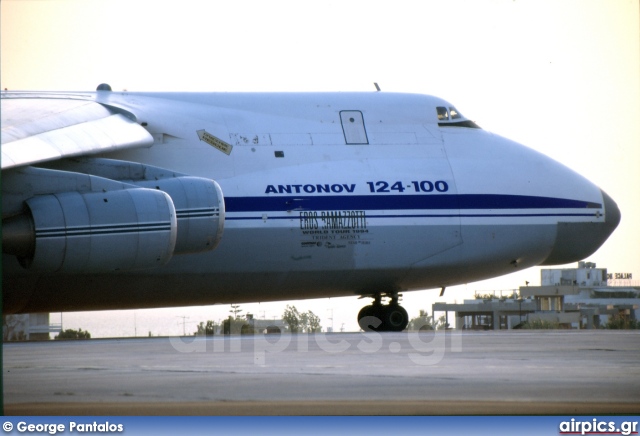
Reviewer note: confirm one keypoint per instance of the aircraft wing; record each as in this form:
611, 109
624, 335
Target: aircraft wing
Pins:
93, 214
43, 128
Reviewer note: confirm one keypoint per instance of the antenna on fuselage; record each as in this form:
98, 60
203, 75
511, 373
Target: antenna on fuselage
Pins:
377, 86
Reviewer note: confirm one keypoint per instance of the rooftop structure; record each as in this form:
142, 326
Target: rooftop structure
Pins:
569, 298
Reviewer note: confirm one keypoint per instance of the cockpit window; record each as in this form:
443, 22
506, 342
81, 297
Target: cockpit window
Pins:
443, 113
450, 117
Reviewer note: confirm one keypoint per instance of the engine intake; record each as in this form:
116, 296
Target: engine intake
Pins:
94, 232
200, 211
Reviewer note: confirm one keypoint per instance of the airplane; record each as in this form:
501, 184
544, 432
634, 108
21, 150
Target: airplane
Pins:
120, 200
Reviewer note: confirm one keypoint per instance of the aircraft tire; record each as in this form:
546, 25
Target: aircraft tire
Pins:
379, 318
395, 318
370, 318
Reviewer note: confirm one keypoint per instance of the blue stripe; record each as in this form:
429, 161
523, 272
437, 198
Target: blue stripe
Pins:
59, 232
205, 212
480, 215
401, 202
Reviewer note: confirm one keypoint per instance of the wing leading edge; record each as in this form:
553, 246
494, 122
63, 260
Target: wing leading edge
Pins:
37, 130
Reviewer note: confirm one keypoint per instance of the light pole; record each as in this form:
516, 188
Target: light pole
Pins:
184, 327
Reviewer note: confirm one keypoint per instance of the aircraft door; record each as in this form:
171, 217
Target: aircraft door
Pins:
353, 127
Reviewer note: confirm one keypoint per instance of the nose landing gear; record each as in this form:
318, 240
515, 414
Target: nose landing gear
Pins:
380, 317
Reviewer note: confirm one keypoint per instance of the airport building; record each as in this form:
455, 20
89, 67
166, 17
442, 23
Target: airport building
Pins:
585, 297
28, 327
579, 298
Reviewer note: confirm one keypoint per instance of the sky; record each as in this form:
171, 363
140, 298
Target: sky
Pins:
561, 76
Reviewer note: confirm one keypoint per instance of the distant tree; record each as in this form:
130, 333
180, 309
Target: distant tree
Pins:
313, 322
422, 322
442, 323
485, 296
298, 322
200, 329
304, 322
74, 334
247, 329
539, 324
291, 316
207, 329
235, 310
235, 326
619, 322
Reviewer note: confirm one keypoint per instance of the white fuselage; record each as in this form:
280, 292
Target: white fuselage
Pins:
320, 202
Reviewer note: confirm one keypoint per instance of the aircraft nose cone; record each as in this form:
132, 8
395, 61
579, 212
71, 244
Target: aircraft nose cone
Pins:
576, 241
612, 214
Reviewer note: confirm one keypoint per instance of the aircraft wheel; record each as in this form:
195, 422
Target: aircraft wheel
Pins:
395, 318
370, 318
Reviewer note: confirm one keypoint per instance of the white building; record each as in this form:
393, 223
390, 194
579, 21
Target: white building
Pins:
28, 327
570, 298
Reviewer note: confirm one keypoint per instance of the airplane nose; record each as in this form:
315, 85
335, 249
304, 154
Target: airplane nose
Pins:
576, 241
612, 214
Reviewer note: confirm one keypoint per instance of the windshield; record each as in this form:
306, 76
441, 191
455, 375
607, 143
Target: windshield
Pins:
450, 117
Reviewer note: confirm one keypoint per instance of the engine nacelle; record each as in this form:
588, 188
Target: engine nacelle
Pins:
200, 211
101, 215
96, 231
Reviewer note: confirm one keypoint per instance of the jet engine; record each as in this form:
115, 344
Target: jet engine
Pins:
102, 215
91, 232
199, 208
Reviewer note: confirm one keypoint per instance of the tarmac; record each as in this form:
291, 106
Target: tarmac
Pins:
408, 373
